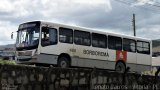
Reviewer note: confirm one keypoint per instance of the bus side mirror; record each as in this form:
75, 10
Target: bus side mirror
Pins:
12, 35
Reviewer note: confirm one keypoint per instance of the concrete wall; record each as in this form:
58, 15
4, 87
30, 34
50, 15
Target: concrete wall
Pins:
41, 78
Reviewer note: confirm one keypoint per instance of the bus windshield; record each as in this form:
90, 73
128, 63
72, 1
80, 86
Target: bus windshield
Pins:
28, 36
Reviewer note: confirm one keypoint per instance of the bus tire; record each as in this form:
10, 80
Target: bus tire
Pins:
120, 67
63, 62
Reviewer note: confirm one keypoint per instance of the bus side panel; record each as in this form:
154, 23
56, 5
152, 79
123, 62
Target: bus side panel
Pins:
47, 58
112, 58
100, 56
55, 50
131, 61
79, 58
87, 56
143, 62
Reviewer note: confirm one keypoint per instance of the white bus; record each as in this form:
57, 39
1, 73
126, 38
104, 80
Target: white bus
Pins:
65, 46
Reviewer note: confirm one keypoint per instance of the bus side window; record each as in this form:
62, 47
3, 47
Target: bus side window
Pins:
49, 36
99, 40
82, 38
65, 35
114, 43
146, 48
129, 45
143, 47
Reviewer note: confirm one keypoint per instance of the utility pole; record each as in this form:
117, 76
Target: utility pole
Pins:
134, 26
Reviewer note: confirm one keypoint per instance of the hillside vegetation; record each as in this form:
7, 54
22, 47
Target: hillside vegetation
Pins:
156, 43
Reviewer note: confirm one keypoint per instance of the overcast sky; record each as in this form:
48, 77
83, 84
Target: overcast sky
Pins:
110, 15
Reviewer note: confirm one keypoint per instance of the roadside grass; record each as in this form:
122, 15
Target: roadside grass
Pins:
11, 62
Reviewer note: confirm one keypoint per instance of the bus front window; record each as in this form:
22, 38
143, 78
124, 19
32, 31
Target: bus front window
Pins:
28, 38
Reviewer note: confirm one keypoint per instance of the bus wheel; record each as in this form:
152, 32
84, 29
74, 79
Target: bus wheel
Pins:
63, 62
120, 67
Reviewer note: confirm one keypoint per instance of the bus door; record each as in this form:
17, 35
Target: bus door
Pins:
48, 45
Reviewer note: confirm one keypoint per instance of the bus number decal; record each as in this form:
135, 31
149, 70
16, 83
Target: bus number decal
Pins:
72, 50
121, 55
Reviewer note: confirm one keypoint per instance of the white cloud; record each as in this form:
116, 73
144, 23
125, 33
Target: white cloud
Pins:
14, 12
102, 14
151, 32
65, 8
6, 6
24, 8
6, 28
105, 3
143, 2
